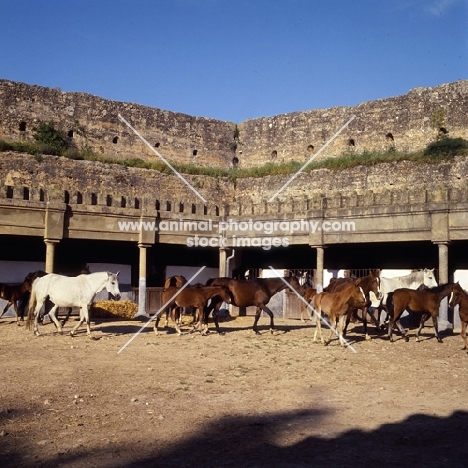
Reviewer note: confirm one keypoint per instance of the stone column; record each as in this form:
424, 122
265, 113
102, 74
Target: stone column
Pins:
319, 269
222, 262
50, 254
444, 323
142, 282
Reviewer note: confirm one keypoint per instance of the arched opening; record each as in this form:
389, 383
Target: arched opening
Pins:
41, 195
310, 148
137, 204
351, 143
9, 191
389, 137
115, 140
157, 145
93, 199
109, 200
79, 198
25, 193
70, 133
66, 197
22, 126
194, 152
181, 207
194, 208
274, 154
123, 202
235, 161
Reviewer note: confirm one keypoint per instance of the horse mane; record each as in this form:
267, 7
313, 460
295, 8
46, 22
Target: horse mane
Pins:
437, 289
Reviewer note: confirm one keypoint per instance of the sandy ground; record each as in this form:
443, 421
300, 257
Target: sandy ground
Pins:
237, 400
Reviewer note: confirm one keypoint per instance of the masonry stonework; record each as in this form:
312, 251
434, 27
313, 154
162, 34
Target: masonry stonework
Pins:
404, 123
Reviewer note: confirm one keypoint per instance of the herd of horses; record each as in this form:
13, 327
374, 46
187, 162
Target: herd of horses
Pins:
343, 300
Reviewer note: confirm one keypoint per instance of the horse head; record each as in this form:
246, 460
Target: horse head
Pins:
112, 284
294, 283
225, 294
429, 278
375, 284
456, 294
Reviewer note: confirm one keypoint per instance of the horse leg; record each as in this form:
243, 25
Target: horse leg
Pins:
318, 326
36, 316
345, 328
54, 318
156, 320
175, 318
436, 326
84, 316
463, 334
424, 317
341, 324
333, 326
257, 316
9, 303
65, 320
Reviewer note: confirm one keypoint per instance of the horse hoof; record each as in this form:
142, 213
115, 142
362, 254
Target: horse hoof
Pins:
439, 340
407, 338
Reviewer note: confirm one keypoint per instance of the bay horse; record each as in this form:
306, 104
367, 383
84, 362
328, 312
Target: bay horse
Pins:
369, 283
254, 292
12, 294
65, 291
423, 301
413, 280
176, 281
460, 297
197, 297
337, 305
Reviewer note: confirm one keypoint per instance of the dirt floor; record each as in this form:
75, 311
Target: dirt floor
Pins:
236, 400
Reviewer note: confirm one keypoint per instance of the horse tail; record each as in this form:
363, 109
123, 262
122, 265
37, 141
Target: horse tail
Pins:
31, 307
389, 304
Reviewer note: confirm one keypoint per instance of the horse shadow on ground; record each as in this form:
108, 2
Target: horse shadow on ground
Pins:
265, 440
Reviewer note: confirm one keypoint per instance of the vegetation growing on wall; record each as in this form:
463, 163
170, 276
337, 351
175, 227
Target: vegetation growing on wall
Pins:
48, 140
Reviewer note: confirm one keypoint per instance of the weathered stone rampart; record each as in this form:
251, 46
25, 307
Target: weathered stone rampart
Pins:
404, 123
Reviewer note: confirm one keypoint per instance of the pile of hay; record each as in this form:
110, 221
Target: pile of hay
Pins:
113, 309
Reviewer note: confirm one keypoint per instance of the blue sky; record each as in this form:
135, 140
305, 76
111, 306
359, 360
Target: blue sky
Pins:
235, 60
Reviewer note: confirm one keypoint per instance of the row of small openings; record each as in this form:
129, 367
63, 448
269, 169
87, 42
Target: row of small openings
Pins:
351, 143
26, 193
22, 127
94, 200
167, 206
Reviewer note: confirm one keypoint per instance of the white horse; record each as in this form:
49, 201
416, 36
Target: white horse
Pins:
65, 291
412, 281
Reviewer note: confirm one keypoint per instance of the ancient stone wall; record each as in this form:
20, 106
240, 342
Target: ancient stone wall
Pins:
94, 183
92, 121
404, 123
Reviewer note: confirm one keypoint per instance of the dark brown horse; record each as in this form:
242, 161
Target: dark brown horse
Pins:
460, 297
337, 306
424, 301
255, 292
12, 294
368, 283
197, 296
